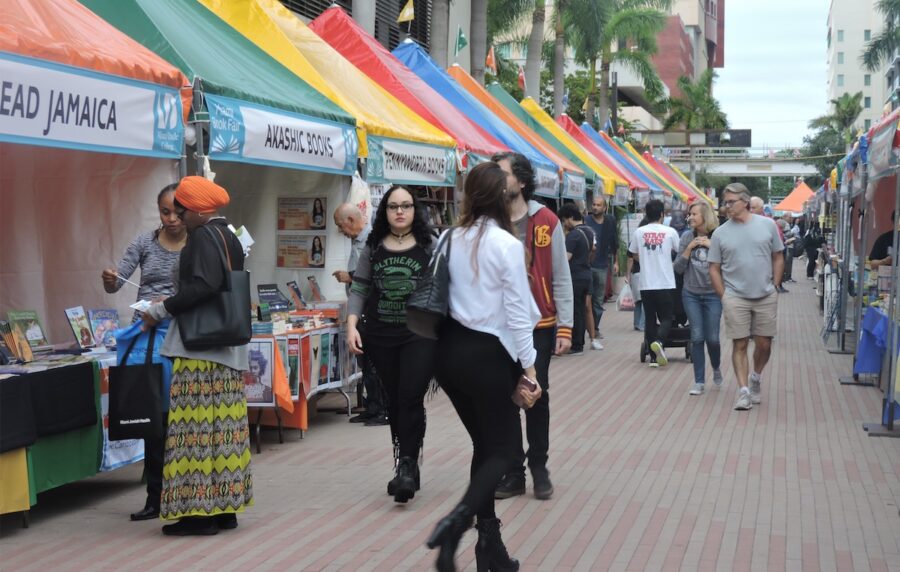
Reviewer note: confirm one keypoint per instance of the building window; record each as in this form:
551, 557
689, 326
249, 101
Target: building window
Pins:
867, 35
868, 124
867, 102
867, 80
312, 8
840, 80
840, 37
840, 57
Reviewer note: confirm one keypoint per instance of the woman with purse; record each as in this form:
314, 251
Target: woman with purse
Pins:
206, 478
484, 346
156, 254
395, 256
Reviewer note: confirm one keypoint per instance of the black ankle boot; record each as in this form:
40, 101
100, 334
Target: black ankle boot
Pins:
447, 534
490, 553
406, 480
392, 484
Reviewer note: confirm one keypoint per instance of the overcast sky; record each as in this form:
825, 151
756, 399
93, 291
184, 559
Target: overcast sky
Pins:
773, 81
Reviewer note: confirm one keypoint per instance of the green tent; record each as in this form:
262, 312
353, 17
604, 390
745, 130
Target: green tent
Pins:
259, 111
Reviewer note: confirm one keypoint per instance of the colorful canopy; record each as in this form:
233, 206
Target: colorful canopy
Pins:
794, 201
608, 145
415, 58
71, 80
259, 112
612, 161
665, 171
372, 58
572, 174
383, 123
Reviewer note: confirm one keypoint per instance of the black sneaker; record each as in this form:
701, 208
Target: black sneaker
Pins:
543, 488
361, 418
512, 484
375, 421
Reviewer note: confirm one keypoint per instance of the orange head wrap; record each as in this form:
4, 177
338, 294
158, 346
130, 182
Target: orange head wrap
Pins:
201, 195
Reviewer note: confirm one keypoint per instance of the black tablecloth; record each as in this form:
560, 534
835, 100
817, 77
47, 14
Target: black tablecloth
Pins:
46, 403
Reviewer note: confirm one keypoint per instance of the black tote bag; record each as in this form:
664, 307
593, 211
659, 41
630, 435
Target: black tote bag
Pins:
135, 397
224, 319
429, 303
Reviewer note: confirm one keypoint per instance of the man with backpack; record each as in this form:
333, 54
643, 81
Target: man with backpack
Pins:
580, 246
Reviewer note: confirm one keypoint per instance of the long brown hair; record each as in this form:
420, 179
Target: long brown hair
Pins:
485, 196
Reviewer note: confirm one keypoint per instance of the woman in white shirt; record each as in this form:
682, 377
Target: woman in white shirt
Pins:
484, 347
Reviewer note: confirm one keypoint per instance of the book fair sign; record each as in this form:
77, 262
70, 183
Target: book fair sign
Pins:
54, 105
250, 133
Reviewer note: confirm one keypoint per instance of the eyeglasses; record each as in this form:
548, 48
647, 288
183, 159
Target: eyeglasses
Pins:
728, 204
394, 207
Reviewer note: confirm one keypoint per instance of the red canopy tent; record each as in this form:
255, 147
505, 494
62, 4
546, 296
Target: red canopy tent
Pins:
614, 165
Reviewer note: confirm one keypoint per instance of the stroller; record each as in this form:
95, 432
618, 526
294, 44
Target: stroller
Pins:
680, 332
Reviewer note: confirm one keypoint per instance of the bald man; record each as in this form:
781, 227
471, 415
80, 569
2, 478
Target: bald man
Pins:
352, 224
758, 207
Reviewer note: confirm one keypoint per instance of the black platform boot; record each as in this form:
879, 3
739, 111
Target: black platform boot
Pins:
490, 553
447, 534
406, 480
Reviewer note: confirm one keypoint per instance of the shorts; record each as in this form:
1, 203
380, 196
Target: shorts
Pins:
745, 317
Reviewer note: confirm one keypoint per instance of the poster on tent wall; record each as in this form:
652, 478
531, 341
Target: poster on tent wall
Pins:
620, 199
546, 182
298, 250
574, 187
882, 154
249, 133
406, 163
55, 105
301, 214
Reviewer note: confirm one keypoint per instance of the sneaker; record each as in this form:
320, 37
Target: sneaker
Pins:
661, 358
743, 402
376, 421
596, 345
717, 377
574, 352
654, 364
697, 389
755, 388
512, 484
783, 290
543, 488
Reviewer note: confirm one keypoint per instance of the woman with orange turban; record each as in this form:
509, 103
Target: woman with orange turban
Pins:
206, 478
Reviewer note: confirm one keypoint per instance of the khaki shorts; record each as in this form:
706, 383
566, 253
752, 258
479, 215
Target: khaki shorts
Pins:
745, 318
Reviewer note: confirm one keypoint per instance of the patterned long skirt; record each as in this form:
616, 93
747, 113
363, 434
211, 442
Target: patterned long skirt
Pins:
207, 463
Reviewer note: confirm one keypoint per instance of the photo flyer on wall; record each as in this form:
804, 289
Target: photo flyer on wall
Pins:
258, 379
300, 251
104, 323
80, 327
30, 326
296, 213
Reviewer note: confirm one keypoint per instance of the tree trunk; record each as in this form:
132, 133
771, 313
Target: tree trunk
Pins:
604, 91
478, 39
535, 47
592, 94
440, 31
559, 61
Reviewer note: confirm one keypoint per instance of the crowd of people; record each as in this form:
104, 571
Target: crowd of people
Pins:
526, 284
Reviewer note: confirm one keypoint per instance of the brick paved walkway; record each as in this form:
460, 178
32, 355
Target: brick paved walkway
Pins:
647, 478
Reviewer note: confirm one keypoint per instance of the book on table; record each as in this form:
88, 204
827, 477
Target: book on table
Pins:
104, 323
30, 326
271, 295
80, 327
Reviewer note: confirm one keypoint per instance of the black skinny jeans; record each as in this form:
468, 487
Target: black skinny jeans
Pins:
537, 419
478, 376
658, 305
811, 255
405, 371
581, 289
154, 459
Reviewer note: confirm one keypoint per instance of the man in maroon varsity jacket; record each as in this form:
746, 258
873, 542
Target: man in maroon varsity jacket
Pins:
551, 285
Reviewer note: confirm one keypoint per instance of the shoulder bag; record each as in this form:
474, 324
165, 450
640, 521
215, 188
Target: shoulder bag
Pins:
224, 319
429, 303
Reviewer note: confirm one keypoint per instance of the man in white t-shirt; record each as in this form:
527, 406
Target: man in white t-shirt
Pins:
654, 246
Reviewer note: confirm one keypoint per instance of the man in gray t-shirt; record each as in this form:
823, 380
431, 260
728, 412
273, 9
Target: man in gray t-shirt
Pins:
745, 267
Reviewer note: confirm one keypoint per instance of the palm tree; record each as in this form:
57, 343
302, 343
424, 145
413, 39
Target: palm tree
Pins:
504, 16
559, 57
696, 108
880, 49
533, 55
842, 119
440, 31
478, 38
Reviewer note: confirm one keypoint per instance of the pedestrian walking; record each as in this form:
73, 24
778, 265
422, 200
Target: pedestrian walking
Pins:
759, 208
745, 267
352, 224
484, 346
701, 303
812, 241
580, 245
396, 254
603, 224
551, 286
653, 245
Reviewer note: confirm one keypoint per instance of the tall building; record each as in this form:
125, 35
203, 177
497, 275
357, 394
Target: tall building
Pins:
851, 24
692, 41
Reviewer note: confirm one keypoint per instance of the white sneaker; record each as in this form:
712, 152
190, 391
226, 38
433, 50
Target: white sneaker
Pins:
697, 389
717, 377
657, 348
743, 402
654, 364
755, 389
596, 345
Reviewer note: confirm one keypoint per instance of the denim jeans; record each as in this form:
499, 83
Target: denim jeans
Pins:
598, 293
704, 312
639, 316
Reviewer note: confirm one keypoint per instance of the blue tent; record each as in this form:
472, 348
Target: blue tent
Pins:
415, 58
588, 130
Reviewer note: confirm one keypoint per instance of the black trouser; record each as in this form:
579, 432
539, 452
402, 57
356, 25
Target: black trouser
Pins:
788, 263
154, 459
478, 376
537, 419
581, 289
405, 371
374, 402
658, 305
811, 255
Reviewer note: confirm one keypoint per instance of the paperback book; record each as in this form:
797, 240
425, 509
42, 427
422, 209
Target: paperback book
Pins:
104, 322
80, 327
271, 295
30, 327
